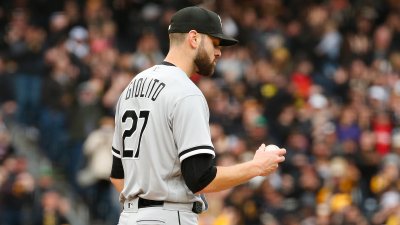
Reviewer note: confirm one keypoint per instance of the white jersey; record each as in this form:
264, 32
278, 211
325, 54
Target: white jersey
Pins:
161, 119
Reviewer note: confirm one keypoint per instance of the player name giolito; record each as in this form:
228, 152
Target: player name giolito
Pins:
144, 89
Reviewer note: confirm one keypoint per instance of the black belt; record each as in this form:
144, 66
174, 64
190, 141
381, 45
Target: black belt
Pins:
144, 203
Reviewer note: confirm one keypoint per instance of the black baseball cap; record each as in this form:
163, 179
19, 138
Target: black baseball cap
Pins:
202, 20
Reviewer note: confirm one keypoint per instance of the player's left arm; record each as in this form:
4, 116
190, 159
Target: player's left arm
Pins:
117, 170
117, 174
118, 184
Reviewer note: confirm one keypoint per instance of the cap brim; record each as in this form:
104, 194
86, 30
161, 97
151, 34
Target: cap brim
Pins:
225, 40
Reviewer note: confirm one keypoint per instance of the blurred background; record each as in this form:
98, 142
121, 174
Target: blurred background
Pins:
318, 77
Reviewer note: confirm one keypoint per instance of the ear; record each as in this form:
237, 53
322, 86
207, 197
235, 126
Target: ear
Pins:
194, 39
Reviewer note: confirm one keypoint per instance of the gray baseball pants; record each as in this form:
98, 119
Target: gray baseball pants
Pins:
168, 214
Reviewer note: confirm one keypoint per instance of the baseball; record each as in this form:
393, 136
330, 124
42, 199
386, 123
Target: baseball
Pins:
271, 147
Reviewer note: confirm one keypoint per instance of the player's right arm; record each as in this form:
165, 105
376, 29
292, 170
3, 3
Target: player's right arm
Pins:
264, 163
201, 176
196, 152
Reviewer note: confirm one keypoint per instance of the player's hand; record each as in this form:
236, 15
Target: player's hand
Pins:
267, 161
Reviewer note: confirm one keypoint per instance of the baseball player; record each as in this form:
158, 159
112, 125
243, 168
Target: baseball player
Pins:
162, 149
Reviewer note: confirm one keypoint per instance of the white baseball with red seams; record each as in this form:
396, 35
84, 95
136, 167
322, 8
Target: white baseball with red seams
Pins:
271, 147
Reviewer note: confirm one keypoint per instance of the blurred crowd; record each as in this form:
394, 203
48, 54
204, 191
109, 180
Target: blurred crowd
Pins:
320, 78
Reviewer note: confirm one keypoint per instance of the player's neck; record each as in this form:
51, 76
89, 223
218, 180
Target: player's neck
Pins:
181, 60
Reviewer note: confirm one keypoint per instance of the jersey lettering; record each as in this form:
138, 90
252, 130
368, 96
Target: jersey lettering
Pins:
143, 88
127, 148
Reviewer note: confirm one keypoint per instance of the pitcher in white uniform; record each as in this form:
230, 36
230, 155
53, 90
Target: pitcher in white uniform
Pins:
162, 149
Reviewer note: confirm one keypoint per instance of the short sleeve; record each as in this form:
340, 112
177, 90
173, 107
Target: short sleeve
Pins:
116, 148
190, 127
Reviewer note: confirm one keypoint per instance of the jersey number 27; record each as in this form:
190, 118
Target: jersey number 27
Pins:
128, 150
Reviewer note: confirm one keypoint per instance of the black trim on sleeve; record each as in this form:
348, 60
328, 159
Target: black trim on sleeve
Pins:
115, 151
195, 148
198, 171
117, 170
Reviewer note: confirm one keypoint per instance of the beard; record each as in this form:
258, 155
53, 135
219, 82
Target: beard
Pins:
203, 63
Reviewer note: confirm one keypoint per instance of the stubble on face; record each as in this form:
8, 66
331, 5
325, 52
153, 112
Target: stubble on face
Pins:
205, 66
